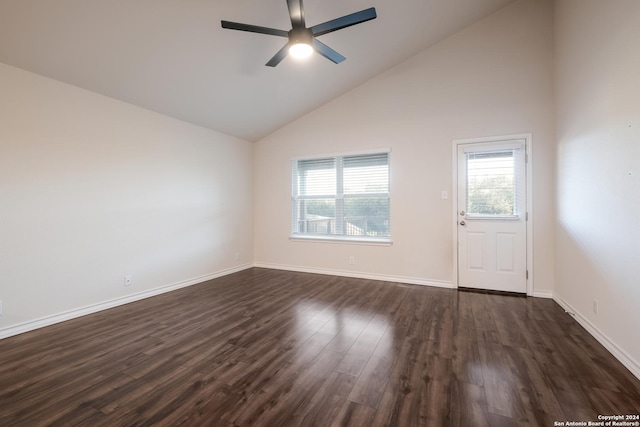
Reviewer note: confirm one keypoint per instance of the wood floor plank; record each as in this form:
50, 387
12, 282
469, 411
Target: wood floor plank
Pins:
326, 403
469, 405
272, 348
353, 414
363, 347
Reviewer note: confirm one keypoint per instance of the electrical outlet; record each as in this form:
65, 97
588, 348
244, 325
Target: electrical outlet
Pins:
0, 308
127, 280
237, 256
595, 306
352, 260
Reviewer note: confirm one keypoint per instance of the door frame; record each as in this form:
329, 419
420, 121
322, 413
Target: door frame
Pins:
529, 197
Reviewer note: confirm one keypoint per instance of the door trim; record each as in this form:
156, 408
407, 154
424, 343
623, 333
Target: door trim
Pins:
528, 137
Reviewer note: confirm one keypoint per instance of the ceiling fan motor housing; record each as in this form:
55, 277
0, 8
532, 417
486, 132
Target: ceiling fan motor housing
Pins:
301, 36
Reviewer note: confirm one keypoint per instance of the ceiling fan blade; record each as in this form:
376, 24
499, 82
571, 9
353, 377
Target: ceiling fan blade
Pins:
344, 22
296, 12
253, 29
278, 57
327, 52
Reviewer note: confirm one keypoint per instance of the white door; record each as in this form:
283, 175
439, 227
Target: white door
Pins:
491, 214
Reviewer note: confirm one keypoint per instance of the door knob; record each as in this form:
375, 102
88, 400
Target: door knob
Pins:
461, 213
463, 223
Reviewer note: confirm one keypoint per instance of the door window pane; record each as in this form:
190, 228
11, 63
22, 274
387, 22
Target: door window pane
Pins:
491, 183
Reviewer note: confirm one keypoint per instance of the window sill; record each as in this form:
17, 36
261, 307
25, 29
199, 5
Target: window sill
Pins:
343, 240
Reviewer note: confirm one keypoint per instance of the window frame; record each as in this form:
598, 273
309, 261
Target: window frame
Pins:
339, 199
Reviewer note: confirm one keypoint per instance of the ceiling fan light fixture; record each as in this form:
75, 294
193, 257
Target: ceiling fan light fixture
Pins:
301, 50
300, 43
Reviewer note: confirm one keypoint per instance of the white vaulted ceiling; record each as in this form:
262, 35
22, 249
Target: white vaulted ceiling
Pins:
172, 56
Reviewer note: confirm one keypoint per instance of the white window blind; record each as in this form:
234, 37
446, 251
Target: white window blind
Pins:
492, 188
341, 197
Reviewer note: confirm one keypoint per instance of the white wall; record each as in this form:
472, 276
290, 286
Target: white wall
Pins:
493, 78
598, 177
93, 189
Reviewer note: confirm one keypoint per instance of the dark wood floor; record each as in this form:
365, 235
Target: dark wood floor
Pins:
272, 348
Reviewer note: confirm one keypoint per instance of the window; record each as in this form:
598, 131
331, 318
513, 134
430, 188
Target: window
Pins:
341, 197
491, 183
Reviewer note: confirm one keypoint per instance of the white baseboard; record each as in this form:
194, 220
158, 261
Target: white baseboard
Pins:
94, 308
624, 358
543, 294
358, 275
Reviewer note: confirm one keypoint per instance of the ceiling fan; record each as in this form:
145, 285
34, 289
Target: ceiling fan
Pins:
302, 40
